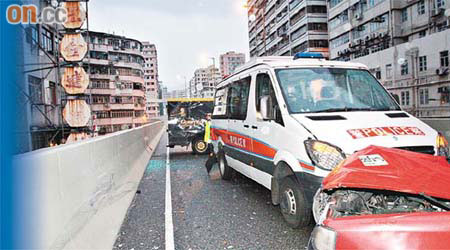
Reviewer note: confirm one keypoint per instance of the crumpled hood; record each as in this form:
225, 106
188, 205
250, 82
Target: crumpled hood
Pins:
396, 170
356, 130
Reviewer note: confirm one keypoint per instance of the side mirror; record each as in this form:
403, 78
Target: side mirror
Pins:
396, 97
267, 108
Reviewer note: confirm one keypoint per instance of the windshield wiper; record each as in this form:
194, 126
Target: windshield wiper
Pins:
346, 109
436, 202
388, 109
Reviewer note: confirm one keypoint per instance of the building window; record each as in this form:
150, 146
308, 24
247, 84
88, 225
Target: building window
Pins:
343, 39
388, 70
440, 3
102, 114
318, 43
405, 98
378, 74
32, 36
405, 15
318, 26
423, 95
445, 94
333, 3
421, 7
423, 33
422, 63
35, 89
444, 58
52, 93
47, 40
404, 69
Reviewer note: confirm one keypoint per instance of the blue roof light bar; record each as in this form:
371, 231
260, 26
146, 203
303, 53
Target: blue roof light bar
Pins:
303, 55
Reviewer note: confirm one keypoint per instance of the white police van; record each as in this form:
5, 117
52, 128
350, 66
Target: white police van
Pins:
287, 122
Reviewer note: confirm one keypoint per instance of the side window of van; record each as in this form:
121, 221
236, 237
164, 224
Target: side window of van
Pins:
238, 99
264, 88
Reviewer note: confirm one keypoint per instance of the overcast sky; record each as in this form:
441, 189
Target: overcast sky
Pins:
186, 32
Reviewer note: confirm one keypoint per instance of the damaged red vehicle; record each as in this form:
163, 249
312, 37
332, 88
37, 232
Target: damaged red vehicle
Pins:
383, 198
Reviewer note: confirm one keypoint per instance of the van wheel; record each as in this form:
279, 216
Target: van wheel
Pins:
224, 169
199, 146
293, 204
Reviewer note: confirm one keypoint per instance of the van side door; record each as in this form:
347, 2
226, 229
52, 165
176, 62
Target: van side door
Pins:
238, 143
265, 131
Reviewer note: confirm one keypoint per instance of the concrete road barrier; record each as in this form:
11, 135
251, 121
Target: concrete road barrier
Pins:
81, 192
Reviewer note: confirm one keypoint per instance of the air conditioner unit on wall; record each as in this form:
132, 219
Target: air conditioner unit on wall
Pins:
438, 11
47, 92
442, 71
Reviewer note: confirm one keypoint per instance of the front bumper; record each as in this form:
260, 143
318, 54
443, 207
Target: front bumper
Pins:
420, 230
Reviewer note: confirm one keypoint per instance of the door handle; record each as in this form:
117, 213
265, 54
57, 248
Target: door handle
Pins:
254, 127
246, 126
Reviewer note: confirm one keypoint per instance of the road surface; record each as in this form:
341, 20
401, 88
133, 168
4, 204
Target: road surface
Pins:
208, 213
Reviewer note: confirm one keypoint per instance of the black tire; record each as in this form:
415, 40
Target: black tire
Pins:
199, 146
293, 205
225, 171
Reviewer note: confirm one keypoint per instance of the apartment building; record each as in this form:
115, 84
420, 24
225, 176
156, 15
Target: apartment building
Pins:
180, 93
39, 118
116, 67
230, 61
405, 43
151, 79
285, 27
203, 84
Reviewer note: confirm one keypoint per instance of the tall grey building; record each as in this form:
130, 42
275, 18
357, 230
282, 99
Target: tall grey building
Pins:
405, 44
151, 78
202, 85
285, 27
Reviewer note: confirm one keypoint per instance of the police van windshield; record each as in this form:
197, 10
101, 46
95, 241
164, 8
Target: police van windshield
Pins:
333, 90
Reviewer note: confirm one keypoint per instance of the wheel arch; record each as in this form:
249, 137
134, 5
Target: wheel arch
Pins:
285, 165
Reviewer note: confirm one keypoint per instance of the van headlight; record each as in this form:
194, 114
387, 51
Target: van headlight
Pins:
323, 154
323, 238
442, 146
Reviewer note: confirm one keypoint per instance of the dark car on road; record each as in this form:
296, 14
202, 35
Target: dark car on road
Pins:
187, 120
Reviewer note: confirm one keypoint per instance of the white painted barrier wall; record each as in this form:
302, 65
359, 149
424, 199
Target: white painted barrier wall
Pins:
85, 188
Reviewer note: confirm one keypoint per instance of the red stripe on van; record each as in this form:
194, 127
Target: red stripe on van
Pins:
244, 142
306, 166
264, 150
